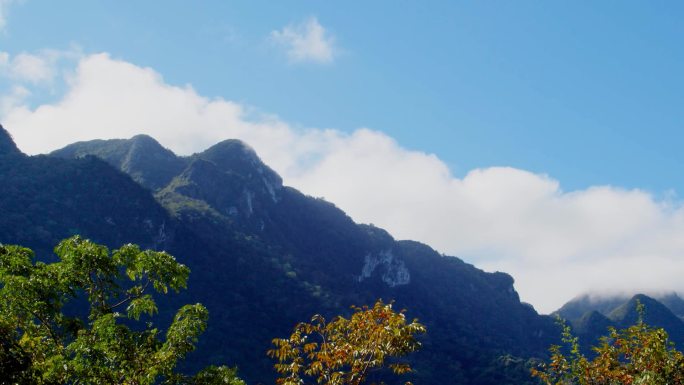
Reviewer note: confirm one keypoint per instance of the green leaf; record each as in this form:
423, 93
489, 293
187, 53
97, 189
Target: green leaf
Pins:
142, 305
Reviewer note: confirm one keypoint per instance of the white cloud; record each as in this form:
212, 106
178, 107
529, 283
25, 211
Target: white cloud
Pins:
16, 96
32, 68
556, 244
306, 42
39, 68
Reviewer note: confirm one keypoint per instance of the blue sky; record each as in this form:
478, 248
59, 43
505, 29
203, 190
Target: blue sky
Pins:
589, 92
582, 95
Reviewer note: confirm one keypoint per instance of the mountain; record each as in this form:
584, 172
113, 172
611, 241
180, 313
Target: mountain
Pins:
591, 317
264, 256
673, 302
45, 199
655, 314
7, 146
141, 157
580, 305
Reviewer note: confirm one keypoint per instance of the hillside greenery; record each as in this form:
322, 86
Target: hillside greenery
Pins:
637, 355
44, 341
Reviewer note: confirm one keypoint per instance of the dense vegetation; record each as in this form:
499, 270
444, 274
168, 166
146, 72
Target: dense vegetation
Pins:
639, 354
42, 341
345, 351
45, 341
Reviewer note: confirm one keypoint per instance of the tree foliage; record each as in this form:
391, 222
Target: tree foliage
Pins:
345, 350
40, 343
639, 354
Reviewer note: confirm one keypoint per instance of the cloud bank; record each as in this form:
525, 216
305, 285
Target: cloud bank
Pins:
306, 42
556, 244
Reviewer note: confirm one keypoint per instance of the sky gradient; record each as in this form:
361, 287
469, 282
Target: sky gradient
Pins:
543, 140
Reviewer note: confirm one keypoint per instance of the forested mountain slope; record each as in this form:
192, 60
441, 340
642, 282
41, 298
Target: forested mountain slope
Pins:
591, 316
265, 256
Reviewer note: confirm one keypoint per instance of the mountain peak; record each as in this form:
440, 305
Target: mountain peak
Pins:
630, 309
591, 315
237, 156
655, 313
7, 145
232, 150
141, 156
145, 140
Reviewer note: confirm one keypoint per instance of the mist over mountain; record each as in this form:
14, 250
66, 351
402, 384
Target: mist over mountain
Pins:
591, 316
265, 256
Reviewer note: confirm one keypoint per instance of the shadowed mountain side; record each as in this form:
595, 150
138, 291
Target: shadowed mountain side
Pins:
265, 256
46, 199
673, 302
7, 146
590, 327
656, 314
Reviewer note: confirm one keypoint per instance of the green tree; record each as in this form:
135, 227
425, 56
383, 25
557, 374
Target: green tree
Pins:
40, 344
345, 350
639, 354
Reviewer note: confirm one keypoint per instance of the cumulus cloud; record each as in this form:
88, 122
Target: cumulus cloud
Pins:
556, 244
306, 42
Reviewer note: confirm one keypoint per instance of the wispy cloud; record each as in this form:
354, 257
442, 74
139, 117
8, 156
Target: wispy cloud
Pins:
306, 42
556, 244
13, 98
4, 10
35, 68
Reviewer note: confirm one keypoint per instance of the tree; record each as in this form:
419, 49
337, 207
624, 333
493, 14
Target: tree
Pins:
345, 350
40, 343
639, 354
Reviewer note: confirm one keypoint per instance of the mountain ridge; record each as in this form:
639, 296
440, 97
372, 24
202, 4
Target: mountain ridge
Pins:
141, 157
591, 317
265, 256
7, 145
